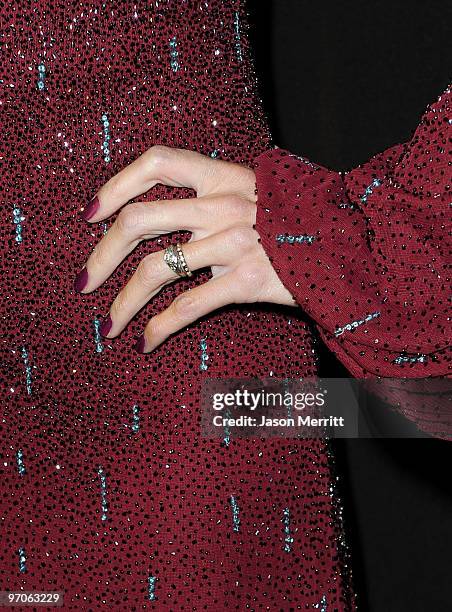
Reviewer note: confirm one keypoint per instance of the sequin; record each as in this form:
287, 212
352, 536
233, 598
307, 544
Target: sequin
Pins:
238, 41
28, 379
107, 138
97, 335
288, 539
354, 324
369, 190
151, 588
22, 560
410, 359
227, 429
174, 55
103, 492
18, 218
204, 354
305, 161
300, 239
20, 462
41, 77
235, 513
136, 418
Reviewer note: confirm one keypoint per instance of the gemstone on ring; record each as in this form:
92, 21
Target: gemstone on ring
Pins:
174, 257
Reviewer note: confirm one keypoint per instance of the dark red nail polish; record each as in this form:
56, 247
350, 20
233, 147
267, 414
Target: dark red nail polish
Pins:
91, 209
140, 345
106, 326
81, 280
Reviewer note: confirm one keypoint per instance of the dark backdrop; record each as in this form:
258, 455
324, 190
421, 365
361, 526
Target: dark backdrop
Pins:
340, 82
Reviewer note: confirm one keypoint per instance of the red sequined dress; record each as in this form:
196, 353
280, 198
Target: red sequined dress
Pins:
109, 491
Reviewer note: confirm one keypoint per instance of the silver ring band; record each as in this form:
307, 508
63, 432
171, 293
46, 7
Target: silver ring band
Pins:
174, 257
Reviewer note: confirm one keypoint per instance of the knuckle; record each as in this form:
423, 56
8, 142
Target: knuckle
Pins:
249, 275
121, 302
241, 238
99, 257
116, 187
146, 271
158, 154
200, 208
184, 306
209, 176
236, 206
131, 218
153, 328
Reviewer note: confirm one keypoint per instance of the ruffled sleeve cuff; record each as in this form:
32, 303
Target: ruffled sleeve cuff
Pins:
319, 241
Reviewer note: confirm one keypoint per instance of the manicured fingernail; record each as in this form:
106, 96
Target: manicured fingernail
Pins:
105, 326
81, 280
140, 345
91, 209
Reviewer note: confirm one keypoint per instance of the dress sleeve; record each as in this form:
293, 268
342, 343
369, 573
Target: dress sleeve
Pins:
366, 254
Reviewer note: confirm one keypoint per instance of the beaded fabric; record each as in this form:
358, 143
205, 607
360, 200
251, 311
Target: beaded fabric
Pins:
110, 492
368, 255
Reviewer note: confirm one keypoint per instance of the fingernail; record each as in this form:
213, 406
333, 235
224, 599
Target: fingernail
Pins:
81, 280
106, 326
140, 345
91, 209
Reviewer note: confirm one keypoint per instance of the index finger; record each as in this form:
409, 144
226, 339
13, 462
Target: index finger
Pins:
167, 166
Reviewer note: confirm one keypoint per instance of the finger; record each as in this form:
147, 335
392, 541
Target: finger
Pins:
187, 308
172, 167
145, 220
153, 273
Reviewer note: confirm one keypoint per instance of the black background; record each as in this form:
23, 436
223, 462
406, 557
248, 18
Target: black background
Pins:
341, 82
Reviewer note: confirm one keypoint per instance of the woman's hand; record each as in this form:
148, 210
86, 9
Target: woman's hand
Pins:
221, 220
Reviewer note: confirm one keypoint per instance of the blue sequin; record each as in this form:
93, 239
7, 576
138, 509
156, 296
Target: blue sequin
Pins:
151, 588
401, 359
355, 324
98, 336
288, 539
235, 513
322, 606
204, 354
136, 418
20, 462
375, 183
174, 55
107, 138
27, 370
300, 239
103, 492
227, 431
22, 560
18, 218
41, 77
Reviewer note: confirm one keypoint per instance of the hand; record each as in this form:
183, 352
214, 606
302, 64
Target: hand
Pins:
221, 220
